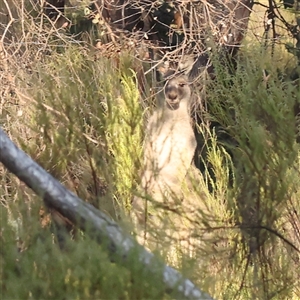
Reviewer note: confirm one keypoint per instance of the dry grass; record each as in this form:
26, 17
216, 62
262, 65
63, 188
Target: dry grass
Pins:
81, 117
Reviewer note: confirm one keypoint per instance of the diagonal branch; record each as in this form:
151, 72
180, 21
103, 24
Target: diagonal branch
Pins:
99, 226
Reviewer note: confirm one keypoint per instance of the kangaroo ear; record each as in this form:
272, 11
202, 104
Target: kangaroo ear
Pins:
200, 64
192, 66
186, 64
168, 74
184, 67
164, 72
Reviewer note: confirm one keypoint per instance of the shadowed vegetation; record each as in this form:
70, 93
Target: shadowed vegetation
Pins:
81, 116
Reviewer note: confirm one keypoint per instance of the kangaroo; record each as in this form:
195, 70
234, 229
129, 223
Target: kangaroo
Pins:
169, 146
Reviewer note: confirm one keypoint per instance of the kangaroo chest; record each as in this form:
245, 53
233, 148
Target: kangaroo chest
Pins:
172, 142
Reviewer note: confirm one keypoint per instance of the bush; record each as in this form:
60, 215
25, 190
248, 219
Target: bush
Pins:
81, 117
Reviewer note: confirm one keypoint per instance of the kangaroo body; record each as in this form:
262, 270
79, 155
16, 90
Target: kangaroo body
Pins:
169, 149
169, 145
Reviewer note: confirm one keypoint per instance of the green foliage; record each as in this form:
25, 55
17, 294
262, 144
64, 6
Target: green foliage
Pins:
124, 139
81, 119
258, 113
38, 269
83, 124
87, 125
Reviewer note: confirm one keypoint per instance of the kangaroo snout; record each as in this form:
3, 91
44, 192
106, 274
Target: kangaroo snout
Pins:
176, 90
172, 95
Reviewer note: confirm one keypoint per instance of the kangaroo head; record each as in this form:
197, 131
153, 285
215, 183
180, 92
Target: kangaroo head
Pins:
177, 90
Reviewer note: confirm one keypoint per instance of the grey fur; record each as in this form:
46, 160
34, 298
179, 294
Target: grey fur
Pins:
169, 144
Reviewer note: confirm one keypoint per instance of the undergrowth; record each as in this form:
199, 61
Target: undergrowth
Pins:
82, 120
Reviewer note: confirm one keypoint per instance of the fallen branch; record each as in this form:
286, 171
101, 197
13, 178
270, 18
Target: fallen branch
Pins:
99, 226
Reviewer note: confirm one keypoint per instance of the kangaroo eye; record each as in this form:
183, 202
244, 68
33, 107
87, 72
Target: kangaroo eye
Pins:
182, 84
